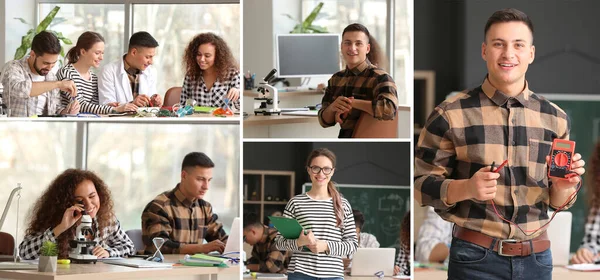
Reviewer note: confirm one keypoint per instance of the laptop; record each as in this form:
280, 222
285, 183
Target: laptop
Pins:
232, 248
559, 233
370, 261
137, 263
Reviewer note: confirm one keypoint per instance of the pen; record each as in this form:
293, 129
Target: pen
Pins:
499, 167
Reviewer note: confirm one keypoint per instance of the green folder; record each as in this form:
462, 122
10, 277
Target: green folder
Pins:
204, 109
289, 228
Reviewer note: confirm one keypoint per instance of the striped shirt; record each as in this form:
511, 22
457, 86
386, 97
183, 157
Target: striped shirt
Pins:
434, 230
267, 256
470, 131
87, 91
215, 97
113, 239
319, 217
591, 239
365, 82
179, 221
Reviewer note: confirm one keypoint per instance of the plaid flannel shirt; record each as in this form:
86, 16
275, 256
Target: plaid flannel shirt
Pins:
17, 82
265, 254
215, 97
476, 128
364, 82
112, 238
179, 221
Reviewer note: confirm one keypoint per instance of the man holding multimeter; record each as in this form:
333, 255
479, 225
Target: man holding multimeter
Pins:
500, 214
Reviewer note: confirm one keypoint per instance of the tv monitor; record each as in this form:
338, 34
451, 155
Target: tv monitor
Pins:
307, 55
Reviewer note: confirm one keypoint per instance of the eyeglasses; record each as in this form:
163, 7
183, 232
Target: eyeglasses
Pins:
317, 169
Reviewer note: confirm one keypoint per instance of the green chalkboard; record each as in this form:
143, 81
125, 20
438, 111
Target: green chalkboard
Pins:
584, 112
383, 208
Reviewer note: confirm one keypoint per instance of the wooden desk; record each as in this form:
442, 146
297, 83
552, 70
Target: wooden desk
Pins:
254, 93
253, 120
101, 271
558, 273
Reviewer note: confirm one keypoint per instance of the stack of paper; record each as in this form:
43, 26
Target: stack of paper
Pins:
203, 260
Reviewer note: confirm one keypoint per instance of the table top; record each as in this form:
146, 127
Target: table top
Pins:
278, 119
101, 271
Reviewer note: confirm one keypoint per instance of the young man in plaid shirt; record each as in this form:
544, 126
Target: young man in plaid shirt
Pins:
499, 120
265, 256
181, 216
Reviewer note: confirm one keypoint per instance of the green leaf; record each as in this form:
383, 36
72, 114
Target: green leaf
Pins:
317, 29
62, 51
297, 29
22, 20
21, 51
57, 20
47, 20
291, 17
308, 21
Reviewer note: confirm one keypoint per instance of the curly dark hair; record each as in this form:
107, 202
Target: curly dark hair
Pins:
224, 60
405, 231
50, 207
592, 178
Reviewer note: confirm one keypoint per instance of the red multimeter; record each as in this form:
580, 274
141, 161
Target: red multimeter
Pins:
561, 158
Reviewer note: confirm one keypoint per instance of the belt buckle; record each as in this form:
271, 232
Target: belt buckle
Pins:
500, 246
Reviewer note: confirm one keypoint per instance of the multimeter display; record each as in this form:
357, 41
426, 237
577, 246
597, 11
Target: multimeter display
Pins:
561, 158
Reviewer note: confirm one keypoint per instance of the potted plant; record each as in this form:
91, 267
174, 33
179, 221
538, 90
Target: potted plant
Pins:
307, 26
49, 253
44, 24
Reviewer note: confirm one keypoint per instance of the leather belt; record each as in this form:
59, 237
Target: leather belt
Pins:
504, 247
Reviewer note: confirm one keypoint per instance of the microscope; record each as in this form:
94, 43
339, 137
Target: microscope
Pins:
82, 245
268, 104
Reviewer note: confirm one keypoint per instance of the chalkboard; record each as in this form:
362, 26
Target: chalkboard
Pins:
383, 208
584, 112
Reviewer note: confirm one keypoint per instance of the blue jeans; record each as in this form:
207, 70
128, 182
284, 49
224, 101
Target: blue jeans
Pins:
470, 261
301, 276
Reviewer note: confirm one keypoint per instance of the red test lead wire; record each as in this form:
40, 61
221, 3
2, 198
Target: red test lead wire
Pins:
532, 232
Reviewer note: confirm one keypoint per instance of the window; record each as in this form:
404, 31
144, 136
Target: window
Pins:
74, 19
174, 26
149, 163
403, 55
144, 162
32, 154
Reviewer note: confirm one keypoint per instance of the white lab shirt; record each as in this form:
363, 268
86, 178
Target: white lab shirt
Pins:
114, 86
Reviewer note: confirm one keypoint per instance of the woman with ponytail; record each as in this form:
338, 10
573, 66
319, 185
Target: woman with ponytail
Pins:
363, 87
87, 53
326, 217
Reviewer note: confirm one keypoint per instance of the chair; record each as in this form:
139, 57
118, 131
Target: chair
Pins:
7, 244
136, 236
369, 127
172, 96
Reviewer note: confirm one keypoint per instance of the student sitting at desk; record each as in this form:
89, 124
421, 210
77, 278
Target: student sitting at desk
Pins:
362, 87
365, 240
181, 216
30, 88
56, 214
589, 251
131, 78
212, 74
433, 241
402, 266
265, 256
87, 53
332, 232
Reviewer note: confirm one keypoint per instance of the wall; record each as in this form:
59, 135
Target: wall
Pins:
448, 37
13, 29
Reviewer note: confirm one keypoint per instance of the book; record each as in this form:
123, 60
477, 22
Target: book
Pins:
203, 260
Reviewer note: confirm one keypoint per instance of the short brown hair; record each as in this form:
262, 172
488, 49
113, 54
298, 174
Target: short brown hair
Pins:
508, 15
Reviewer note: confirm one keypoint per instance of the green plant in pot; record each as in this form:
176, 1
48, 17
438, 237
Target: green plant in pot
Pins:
44, 24
307, 26
48, 257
